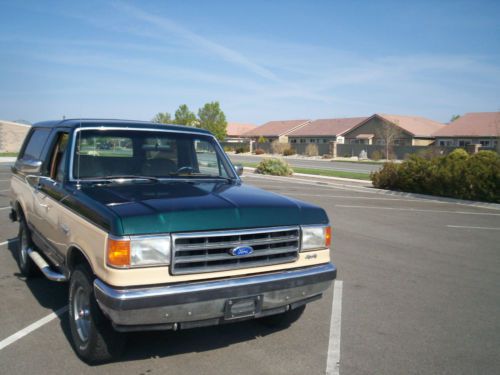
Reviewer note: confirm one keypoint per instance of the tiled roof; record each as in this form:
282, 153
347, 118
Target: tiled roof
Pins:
276, 128
327, 127
237, 130
475, 124
418, 126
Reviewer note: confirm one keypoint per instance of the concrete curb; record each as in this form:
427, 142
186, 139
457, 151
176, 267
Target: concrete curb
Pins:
321, 177
371, 189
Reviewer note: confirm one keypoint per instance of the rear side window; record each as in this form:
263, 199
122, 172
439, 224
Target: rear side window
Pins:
35, 144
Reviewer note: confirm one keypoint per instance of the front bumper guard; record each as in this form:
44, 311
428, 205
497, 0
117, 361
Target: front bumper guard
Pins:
196, 304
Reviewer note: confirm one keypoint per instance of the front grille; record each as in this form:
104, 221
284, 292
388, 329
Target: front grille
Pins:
210, 251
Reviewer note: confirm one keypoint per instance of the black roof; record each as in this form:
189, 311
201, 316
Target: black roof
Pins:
85, 123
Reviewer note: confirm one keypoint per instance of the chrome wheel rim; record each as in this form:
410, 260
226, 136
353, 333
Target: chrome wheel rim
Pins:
81, 313
24, 247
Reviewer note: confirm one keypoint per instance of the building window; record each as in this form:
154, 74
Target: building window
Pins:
312, 140
325, 140
293, 141
464, 142
485, 142
446, 142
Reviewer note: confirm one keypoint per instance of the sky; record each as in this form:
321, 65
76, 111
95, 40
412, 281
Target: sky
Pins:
262, 60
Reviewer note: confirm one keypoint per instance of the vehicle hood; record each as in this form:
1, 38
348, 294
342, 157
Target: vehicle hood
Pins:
184, 206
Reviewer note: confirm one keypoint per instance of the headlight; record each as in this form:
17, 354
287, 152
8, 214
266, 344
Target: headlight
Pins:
138, 251
316, 237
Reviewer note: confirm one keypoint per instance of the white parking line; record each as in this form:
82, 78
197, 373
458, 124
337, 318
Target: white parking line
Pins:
353, 197
416, 210
4, 208
333, 359
7, 242
32, 327
467, 227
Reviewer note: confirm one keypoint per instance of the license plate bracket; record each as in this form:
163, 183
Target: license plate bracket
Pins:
242, 307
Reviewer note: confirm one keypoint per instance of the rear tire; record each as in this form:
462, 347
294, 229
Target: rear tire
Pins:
26, 265
284, 319
93, 337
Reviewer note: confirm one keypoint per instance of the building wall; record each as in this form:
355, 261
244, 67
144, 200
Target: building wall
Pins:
12, 136
312, 139
422, 141
374, 126
485, 142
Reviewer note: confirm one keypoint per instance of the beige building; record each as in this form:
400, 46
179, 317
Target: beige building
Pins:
400, 130
472, 128
12, 135
276, 130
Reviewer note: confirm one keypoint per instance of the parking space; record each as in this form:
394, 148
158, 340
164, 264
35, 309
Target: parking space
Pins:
420, 295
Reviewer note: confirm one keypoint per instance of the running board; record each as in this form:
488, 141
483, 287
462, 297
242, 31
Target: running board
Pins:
45, 268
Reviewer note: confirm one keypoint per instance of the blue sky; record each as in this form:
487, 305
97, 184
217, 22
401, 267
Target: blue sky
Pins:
262, 60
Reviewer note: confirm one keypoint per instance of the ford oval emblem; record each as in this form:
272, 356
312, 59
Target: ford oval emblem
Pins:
241, 251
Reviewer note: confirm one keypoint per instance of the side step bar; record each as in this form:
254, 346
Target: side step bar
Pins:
45, 268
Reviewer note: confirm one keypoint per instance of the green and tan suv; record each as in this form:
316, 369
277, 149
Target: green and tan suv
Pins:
153, 229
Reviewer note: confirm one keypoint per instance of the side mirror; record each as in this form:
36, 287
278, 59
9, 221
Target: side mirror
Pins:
28, 166
239, 169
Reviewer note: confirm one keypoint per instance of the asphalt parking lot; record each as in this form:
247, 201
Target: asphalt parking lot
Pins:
420, 296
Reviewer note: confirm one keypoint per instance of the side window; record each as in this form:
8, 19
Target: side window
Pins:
57, 157
34, 148
208, 161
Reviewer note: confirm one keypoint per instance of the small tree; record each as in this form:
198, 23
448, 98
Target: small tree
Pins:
183, 116
388, 132
262, 139
213, 119
162, 118
454, 117
312, 149
278, 148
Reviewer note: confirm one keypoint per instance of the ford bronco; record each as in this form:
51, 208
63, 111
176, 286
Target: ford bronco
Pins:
153, 229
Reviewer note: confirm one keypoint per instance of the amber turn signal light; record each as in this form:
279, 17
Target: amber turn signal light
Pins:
328, 236
118, 253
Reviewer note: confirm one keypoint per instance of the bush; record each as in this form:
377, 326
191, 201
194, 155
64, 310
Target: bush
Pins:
288, 152
228, 148
259, 151
457, 175
242, 149
262, 140
273, 166
278, 147
312, 150
377, 155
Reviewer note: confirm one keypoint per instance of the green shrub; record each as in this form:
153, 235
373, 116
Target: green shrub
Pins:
273, 166
288, 152
457, 175
387, 177
259, 151
228, 148
262, 140
377, 155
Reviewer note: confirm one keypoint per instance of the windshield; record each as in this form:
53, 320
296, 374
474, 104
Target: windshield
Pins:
108, 154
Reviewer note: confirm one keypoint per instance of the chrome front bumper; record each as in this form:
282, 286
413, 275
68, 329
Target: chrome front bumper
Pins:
198, 304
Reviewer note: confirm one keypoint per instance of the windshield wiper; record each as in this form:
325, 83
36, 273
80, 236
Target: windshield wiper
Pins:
201, 176
124, 177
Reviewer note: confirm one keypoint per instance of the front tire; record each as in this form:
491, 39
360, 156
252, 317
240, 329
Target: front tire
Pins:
26, 264
94, 339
